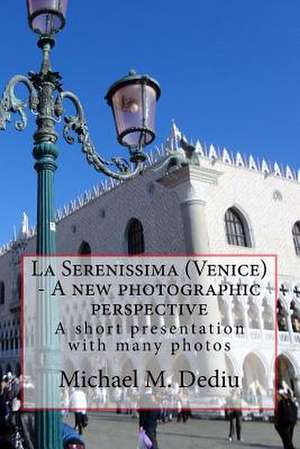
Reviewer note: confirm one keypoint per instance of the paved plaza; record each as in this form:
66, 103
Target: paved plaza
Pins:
112, 431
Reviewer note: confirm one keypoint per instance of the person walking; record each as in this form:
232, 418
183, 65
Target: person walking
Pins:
148, 419
234, 414
186, 410
285, 418
118, 399
78, 402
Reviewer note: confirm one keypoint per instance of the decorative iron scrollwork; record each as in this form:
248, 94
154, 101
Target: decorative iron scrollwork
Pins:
48, 111
77, 124
11, 104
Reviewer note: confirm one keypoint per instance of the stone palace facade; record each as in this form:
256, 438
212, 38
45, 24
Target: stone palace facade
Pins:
212, 202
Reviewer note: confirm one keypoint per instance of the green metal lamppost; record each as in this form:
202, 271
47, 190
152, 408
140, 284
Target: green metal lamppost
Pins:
133, 101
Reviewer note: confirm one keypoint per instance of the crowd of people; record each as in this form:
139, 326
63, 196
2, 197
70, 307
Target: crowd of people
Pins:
173, 407
10, 402
285, 417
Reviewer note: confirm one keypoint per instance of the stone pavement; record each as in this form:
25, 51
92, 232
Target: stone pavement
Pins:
112, 431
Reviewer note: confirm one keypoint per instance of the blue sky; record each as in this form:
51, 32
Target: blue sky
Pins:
229, 72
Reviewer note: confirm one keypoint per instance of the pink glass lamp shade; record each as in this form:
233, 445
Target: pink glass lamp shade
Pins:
133, 100
47, 17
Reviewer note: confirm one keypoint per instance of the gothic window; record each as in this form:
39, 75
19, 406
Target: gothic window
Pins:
296, 237
135, 237
237, 232
84, 248
2, 292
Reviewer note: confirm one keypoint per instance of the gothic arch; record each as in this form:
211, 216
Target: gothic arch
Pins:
287, 369
255, 377
291, 359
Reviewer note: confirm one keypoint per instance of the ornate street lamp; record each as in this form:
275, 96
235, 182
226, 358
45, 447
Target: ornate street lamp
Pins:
133, 100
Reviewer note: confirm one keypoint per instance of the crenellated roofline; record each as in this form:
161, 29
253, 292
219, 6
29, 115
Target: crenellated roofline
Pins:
227, 157
173, 144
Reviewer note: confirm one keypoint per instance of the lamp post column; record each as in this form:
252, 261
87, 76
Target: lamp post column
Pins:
45, 152
48, 423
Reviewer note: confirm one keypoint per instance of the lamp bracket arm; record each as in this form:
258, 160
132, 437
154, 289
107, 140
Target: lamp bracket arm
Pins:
10, 103
77, 124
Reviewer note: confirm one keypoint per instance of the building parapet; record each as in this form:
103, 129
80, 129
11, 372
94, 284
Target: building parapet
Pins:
172, 145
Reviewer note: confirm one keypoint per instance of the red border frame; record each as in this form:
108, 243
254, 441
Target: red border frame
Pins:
198, 409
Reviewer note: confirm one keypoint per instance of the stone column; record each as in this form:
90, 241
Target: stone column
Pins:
192, 185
